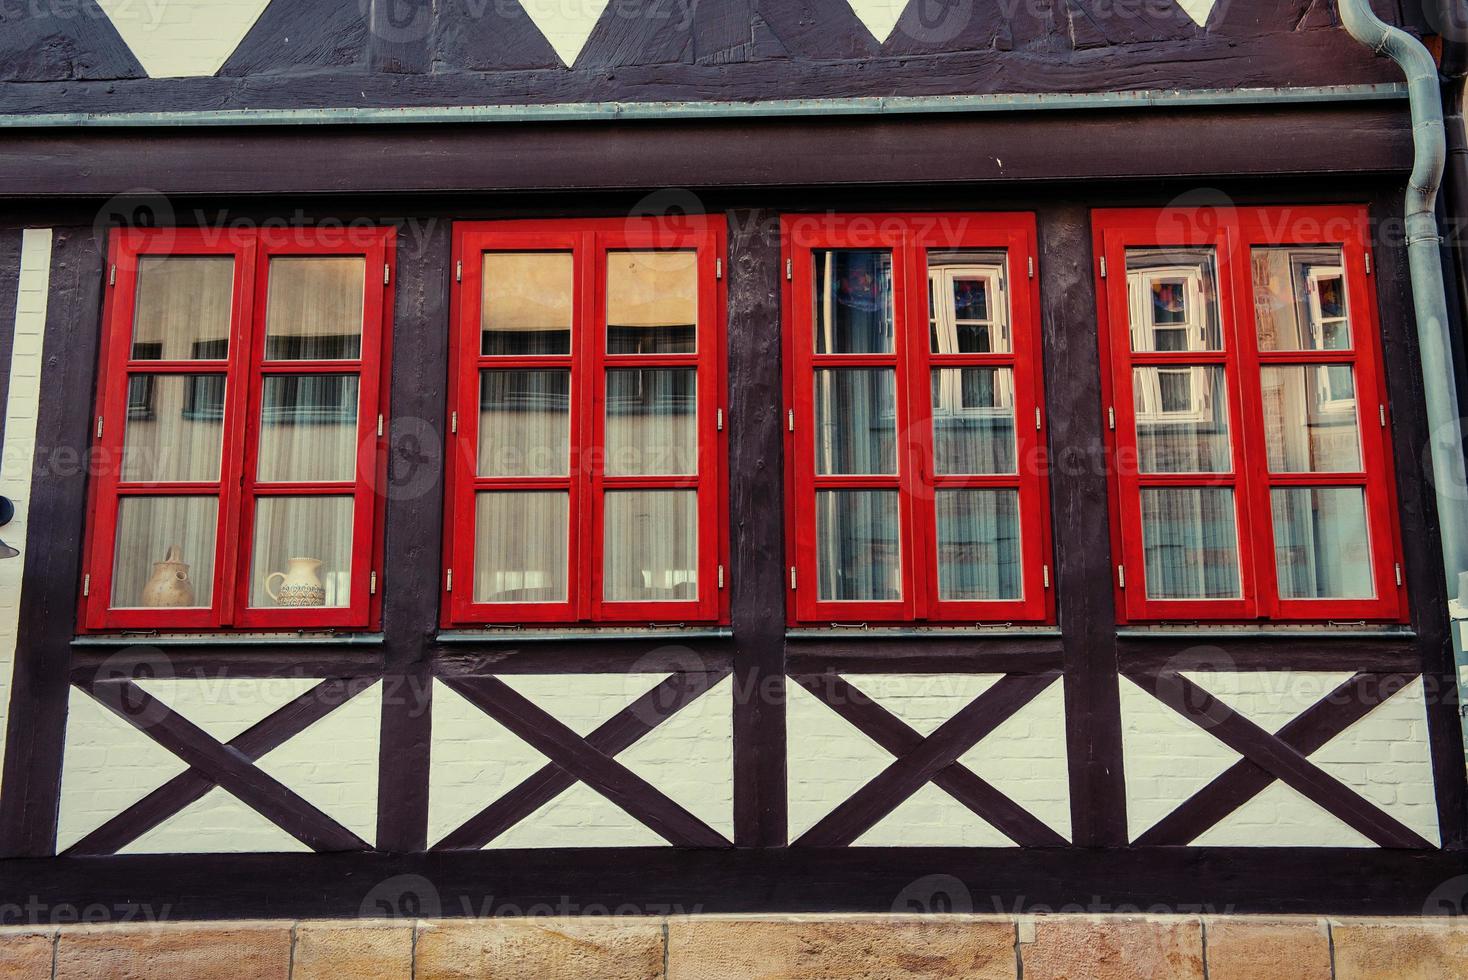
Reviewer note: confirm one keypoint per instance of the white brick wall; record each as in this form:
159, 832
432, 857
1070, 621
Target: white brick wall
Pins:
20, 438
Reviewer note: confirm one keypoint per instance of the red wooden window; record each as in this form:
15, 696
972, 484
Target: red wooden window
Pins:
915, 432
1253, 476
238, 430
587, 423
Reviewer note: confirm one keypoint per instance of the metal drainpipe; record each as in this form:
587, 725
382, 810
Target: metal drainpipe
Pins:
1429, 294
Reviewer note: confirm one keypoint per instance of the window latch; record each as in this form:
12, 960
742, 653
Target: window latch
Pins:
99, 427
789, 268
790, 416
1368, 263
454, 422
379, 426
719, 418
1111, 417
459, 271
1103, 267
86, 585
386, 274
1046, 570
718, 268
372, 584
1037, 418
1381, 412
448, 580
1032, 267
112, 276
721, 577
792, 578
1121, 576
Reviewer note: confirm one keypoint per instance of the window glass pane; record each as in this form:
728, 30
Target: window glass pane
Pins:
1173, 299
973, 420
1321, 547
652, 302
524, 423
652, 422
183, 308
164, 553
1182, 419
853, 302
1310, 419
979, 545
303, 552
526, 306
520, 546
856, 421
1300, 298
175, 423
1190, 543
308, 428
858, 557
651, 546
314, 310
968, 311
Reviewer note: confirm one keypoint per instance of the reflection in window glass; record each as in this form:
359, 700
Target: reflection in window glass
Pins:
1300, 298
164, 552
1173, 300
526, 305
1190, 543
302, 554
967, 307
308, 428
524, 423
973, 421
853, 302
856, 422
175, 427
1321, 546
1310, 419
314, 310
857, 553
520, 546
182, 311
979, 545
1182, 419
651, 546
652, 422
652, 302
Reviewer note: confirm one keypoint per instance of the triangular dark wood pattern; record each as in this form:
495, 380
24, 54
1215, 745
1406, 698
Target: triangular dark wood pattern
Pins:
479, 35
65, 42
300, 35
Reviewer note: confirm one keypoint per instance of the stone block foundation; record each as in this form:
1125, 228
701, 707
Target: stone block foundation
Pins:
729, 947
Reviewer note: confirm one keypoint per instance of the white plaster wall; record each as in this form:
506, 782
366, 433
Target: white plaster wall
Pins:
1384, 757
183, 37
20, 439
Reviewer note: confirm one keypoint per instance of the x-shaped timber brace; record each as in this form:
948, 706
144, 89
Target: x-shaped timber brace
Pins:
1282, 757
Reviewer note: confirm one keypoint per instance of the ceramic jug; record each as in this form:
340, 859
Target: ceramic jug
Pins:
170, 585
300, 585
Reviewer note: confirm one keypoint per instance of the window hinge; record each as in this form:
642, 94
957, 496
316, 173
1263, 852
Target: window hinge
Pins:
721, 576
454, 422
379, 426
1046, 569
1103, 267
1037, 418
386, 274
448, 580
789, 268
112, 276
1399, 575
1368, 263
719, 418
99, 427
1381, 412
718, 268
372, 584
459, 271
1032, 267
790, 419
1111, 416
1121, 575
86, 585
792, 578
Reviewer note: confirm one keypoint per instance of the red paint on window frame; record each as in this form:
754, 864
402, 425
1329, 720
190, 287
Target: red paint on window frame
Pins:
910, 237
237, 488
589, 241
1233, 233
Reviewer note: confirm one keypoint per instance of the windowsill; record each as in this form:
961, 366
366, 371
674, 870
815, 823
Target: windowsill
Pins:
919, 632
601, 634
1271, 631
240, 639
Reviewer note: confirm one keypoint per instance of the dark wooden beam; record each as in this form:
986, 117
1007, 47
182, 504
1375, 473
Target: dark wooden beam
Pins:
10, 242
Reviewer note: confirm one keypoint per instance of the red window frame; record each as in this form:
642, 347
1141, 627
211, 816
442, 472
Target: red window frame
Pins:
238, 488
589, 241
1232, 233
910, 237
